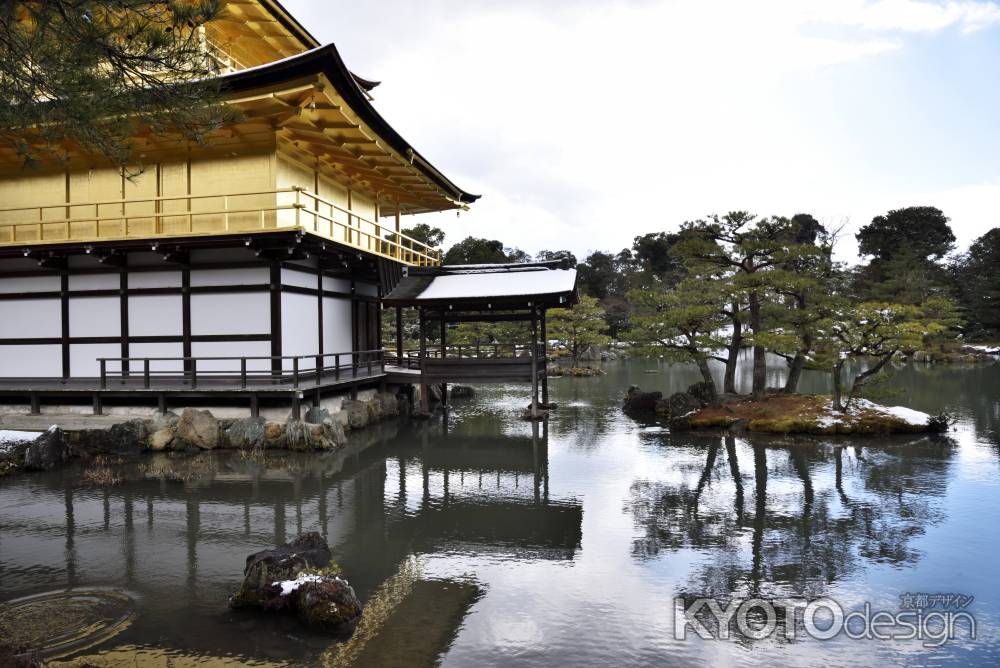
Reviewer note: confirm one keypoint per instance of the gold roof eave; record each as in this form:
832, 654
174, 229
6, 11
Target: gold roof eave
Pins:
316, 126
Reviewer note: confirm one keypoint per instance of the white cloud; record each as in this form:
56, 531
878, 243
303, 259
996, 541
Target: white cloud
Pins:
909, 15
585, 125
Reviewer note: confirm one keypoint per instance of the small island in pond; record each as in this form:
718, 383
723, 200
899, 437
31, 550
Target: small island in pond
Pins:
814, 414
780, 413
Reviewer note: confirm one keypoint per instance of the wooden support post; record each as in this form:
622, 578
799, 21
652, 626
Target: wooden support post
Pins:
444, 354
35, 406
399, 335
424, 389
97, 404
545, 363
161, 402
254, 405
534, 362
296, 406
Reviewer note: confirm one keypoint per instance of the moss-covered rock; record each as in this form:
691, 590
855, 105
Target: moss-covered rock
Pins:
327, 604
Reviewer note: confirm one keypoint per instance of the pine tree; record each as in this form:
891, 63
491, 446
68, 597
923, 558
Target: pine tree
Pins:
684, 324
89, 74
578, 328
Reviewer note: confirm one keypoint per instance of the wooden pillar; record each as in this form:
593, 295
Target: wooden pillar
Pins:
399, 335
424, 389
186, 315
444, 353
64, 307
545, 360
275, 308
123, 313
534, 362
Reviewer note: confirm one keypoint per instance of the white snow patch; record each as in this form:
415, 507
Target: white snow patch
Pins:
10, 439
907, 415
289, 586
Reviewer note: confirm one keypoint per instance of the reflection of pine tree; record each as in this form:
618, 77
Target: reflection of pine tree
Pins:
849, 508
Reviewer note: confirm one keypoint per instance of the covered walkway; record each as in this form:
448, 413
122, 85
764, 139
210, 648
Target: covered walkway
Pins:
489, 293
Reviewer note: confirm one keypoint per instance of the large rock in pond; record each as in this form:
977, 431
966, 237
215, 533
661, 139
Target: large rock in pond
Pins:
676, 408
298, 577
246, 433
162, 429
47, 452
126, 438
637, 401
703, 393
357, 413
327, 604
13, 446
198, 428
304, 436
285, 562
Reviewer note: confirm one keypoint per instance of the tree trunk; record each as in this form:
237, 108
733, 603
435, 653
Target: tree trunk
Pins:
735, 344
759, 361
706, 375
837, 388
799, 361
794, 373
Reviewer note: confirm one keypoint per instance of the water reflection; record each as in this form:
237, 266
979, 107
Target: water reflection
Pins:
177, 531
486, 540
789, 520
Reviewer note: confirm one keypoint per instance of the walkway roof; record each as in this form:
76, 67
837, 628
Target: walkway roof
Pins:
484, 287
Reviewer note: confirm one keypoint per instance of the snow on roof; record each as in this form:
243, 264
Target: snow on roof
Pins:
501, 284
487, 282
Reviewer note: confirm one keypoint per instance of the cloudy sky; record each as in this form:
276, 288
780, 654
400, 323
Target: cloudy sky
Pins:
585, 123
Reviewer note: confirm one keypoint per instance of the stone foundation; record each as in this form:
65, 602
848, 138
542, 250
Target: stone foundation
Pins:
322, 427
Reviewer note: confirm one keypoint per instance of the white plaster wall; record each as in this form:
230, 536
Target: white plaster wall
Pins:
232, 349
30, 361
237, 276
298, 278
299, 328
155, 315
83, 358
30, 318
29, 284
155, 279
158, 350
336, 325
238, 313
94, 316
95, 282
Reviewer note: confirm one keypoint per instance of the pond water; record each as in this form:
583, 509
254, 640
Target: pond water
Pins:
484, 540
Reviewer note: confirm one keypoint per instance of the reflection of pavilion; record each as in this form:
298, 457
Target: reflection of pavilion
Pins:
177, 535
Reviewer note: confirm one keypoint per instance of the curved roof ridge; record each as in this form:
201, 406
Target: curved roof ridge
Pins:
327, 60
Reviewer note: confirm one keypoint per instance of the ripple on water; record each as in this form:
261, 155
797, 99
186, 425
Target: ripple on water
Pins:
58, 623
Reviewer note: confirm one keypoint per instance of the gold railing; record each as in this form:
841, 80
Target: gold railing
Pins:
222, 58
205, 215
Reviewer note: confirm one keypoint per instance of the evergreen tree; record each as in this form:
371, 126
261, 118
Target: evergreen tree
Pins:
874, 332
90, 74
578, 328
976, 279
684, 324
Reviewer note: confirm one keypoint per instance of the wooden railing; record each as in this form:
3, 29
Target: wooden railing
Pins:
483, 351
316, 369
185, 215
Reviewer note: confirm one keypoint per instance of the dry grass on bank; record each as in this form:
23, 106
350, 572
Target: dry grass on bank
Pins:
810, 414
